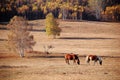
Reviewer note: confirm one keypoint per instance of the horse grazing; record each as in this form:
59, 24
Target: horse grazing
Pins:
94, 58
73, 57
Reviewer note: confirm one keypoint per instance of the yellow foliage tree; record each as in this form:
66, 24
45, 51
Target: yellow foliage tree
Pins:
52, 26
113, 13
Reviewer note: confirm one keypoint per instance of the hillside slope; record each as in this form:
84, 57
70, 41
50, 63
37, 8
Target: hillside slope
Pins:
86, 37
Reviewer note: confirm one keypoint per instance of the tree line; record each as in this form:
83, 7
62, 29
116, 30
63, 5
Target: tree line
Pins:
102, 10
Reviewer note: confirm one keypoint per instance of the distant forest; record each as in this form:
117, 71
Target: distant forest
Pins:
100, 10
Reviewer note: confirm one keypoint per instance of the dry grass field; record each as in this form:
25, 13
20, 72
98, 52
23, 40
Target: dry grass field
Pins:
83, 38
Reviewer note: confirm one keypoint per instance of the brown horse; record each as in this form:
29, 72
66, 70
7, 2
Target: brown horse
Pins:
94, 58
73, 57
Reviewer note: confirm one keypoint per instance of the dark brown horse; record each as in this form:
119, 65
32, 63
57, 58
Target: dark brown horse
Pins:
73, 57
94, 58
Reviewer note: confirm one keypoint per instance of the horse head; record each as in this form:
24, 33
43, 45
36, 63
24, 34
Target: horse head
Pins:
100, 60
78, 61
77, 58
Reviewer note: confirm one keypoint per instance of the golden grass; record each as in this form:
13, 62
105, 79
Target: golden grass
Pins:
100, 38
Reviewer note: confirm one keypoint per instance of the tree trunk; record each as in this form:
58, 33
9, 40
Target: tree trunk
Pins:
21, 52
98, 15
54, 36
63, 14
80, 15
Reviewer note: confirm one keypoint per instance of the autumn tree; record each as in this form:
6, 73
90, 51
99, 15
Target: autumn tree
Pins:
64, 9
23, 10
96, 7
52, 26
113, 13
19, 39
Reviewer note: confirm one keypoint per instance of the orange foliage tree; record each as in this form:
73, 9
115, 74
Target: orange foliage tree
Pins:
112, 13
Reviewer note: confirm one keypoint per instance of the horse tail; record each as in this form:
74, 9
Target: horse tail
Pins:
87, 59
66, 58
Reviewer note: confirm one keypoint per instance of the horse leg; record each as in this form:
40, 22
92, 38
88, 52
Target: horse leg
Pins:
88, 61
74, 61
95, 62
67, 61
78, 61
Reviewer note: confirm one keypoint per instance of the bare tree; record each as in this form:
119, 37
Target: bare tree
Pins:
19, 39
47, 48
96, 6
